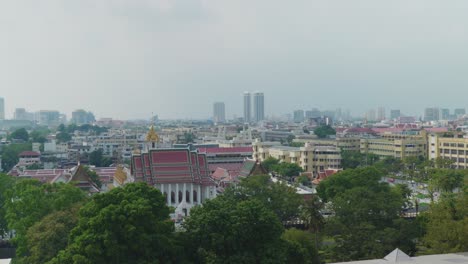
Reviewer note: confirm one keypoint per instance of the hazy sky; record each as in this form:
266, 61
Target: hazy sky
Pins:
128, 58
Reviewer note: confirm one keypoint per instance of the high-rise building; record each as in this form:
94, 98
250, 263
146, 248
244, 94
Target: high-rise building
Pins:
395, 114
431, 114
314, 113
219, 114
258, 107
460, 112
445, 113
81, 117
298, 116
381, 114
2, 108
48, 118
247, 108
370, 115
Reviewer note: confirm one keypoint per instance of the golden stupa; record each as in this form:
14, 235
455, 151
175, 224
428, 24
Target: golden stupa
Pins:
152, 136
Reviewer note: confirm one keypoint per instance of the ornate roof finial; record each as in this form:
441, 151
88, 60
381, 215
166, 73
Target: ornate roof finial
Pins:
152, 136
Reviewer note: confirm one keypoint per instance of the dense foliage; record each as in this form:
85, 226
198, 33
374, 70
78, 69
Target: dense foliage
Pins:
324, 131
365, 207
126, 225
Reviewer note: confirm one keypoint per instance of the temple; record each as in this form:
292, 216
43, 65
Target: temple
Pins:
181, 175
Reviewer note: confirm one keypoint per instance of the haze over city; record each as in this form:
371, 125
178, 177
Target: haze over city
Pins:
127, 59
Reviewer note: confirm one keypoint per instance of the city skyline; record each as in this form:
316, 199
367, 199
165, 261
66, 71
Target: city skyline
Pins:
127, 59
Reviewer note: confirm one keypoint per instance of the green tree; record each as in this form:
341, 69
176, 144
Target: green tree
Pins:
447, 226
446, 180
443, 163
28, 201
348, 179
97, 159
365, 207
311, 215
355, 159
297, 144
278, 197
269, 163
50, 235
6, 183
290, 139
324, 131
10, 154
126, 225
20, 134
301, 247
63, 137
232, 231
287, 169
39, 136
94, 177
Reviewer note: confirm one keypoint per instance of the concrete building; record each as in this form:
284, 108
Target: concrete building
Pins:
219, 112
48, 118
81, 117
431, 114
453, 147
298, 116
445, 113
460, 112
310, 158
22, 114
258, 107
395, 114
314, 113
247, 107
381, 115
371, 116
397, 145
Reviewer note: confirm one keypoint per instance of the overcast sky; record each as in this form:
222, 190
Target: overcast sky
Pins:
129, 58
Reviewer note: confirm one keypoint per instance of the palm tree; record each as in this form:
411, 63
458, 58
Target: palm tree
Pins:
310, 214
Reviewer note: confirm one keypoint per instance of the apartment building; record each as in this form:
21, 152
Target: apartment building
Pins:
311, 158
453, 147
397, 145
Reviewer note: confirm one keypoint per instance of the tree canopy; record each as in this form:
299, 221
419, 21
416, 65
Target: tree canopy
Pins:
324, 131
278, 197
20, 134
29, 201
230, 231
126, 225
365, 207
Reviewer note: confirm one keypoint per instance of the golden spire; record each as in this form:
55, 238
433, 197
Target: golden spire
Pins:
152, 136
120, 176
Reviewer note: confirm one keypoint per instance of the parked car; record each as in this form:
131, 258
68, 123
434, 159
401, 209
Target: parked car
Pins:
391, 180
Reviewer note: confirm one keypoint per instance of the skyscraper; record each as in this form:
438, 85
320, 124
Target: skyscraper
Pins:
298, 116
381, 114
258, 107
431, 114
219, 114
2, 109
394, 114
445, 113
247, 108
460, 112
